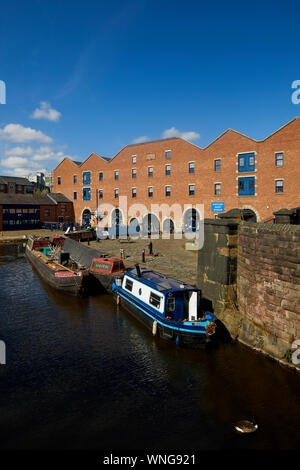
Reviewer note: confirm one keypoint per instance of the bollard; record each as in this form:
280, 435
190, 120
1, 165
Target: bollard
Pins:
143, 256
121, 253
150, 248
88, 241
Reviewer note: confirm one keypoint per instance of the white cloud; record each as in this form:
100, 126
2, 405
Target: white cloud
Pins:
46, 112
173, 132
18, 133
18, 151
12, 162
140, 140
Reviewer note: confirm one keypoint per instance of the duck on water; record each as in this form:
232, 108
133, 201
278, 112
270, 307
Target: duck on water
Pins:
170, 308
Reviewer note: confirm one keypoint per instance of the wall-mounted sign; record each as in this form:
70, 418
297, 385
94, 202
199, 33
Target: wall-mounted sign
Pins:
150, 156
218, 206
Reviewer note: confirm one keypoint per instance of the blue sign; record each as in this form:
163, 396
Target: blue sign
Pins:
218, 206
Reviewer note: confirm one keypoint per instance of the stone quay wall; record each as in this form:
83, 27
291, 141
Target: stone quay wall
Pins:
268, 286
250, 272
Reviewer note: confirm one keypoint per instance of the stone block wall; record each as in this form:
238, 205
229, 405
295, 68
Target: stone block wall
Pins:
268, 286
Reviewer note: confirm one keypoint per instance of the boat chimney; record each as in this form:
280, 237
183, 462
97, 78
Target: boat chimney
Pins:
138, 270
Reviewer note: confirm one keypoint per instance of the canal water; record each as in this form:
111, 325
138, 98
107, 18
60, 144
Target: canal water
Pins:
83, 374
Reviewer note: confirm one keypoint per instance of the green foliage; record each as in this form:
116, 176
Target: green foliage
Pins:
288, 355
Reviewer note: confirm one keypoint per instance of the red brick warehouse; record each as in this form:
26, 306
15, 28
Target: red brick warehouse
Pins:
234, 169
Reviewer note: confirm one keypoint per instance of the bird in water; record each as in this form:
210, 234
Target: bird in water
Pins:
245, 426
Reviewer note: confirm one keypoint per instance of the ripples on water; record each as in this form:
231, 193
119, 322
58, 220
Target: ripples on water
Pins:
82, 374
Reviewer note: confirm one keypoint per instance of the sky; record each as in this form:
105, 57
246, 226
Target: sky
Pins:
95, 76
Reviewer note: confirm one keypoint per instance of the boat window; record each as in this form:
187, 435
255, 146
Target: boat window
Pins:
171, 304
154, 300
118, 267
128, 285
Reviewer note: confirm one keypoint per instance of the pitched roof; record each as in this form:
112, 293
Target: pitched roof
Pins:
59, 197
14, 179
25, 199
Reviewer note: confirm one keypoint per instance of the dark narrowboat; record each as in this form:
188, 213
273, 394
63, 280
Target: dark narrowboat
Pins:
55, 266
170, 308
105, 269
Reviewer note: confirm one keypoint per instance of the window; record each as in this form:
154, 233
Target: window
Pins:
75, 195
116, 193
133, 173
2, 187
116, 174
47, 213
86, 177
279, 159
246, 161
58, 180
218, 165
150, 191
246, 186
86, 194
217, 189
19, 187
133, 158
168, 191
154, 300
100, 176
168, 154
191, 168
100, 194
133, 192
63, 208
168, 170
279, 186
75, 179
128, 285
191, 189
150, 171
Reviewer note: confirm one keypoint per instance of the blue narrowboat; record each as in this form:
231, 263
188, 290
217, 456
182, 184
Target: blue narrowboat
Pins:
170, 308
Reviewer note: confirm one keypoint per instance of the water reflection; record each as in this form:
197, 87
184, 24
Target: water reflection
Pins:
82, 373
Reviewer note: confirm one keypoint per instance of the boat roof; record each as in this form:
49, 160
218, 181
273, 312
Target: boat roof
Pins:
109, 259
160, 281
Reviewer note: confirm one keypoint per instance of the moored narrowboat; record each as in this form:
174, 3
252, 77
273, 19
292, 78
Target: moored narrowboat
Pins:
170, 308
105, 269
55, 266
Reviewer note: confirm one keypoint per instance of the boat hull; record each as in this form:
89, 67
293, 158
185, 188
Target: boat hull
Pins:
181, 338
73, 285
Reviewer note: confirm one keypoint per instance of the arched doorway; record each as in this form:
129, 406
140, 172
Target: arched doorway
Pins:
168, 226
151, 224
86, 217
134, 227
116, 217
191, 220
249, 215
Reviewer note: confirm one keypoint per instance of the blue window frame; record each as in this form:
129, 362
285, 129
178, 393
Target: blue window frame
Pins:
75, 195
247, 186
86, 194
86, 177
58, 180
100, 176
246, 161
75, 179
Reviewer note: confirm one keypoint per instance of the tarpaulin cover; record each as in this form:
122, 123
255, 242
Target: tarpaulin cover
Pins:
80, 253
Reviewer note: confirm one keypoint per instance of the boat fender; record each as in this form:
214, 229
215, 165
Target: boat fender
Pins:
154, 328
177, 340
118, 300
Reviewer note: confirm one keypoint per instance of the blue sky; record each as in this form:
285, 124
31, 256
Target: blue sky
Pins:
94, 76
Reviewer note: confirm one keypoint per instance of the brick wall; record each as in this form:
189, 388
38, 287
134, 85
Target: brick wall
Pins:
226, 147
268, 286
